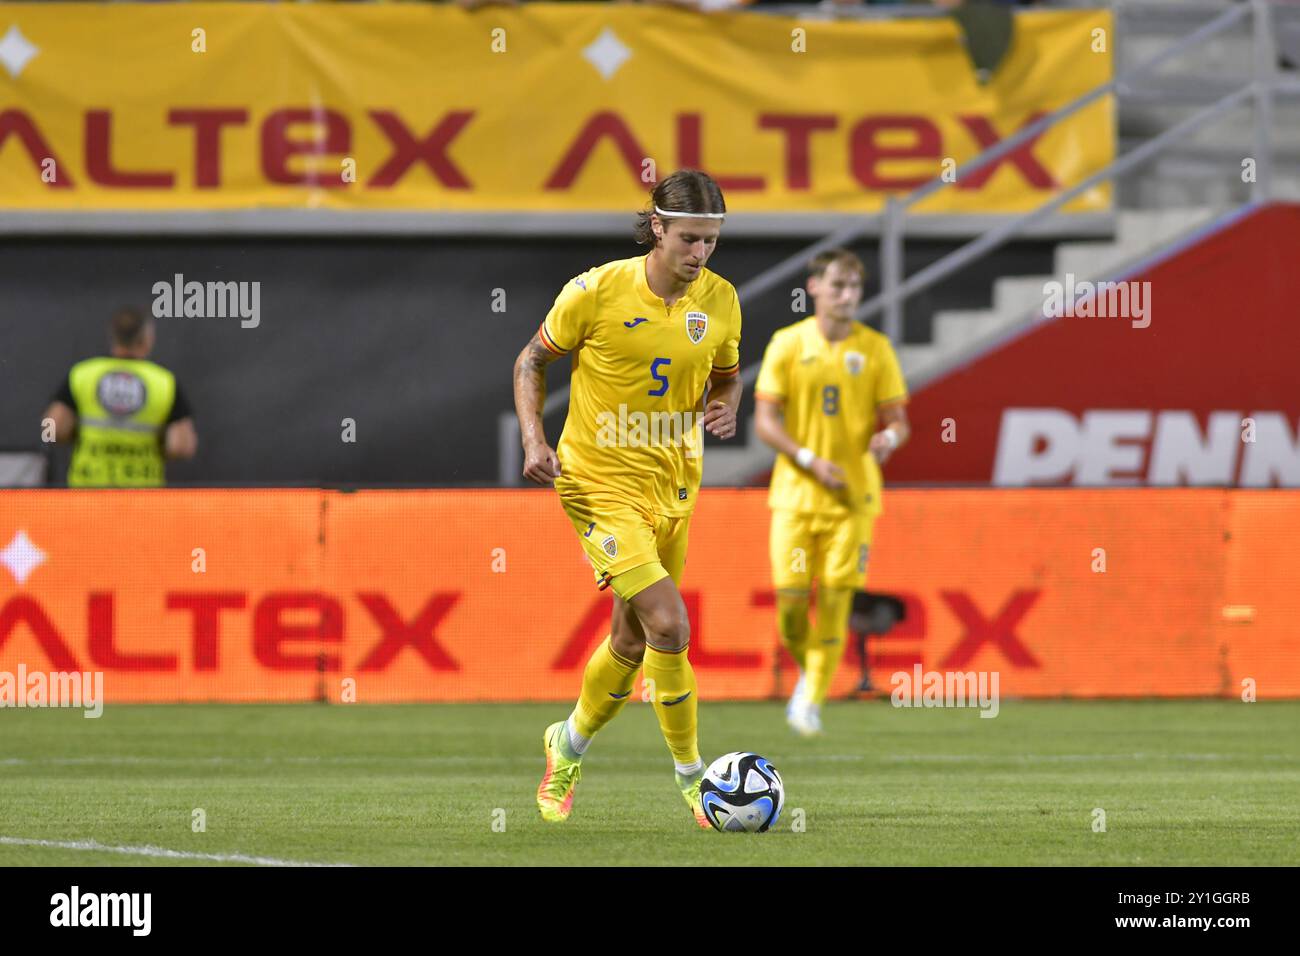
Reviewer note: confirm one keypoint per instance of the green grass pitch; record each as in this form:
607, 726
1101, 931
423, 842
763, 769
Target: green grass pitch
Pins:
1194, 783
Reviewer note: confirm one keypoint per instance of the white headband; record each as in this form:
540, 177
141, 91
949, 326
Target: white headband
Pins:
691, 215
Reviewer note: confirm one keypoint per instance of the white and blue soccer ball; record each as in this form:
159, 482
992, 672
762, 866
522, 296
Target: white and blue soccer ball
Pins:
742, 792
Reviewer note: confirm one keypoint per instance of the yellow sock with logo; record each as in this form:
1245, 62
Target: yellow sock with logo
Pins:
606, 686
792, 621
674, 697
826, 646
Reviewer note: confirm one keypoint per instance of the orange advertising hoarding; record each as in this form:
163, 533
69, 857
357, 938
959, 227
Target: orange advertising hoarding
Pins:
286, 595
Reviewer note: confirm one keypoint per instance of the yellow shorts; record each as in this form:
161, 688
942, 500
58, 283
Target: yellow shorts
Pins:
833, 550
629, 547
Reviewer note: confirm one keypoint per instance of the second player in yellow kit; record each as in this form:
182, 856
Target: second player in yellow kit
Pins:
826, 384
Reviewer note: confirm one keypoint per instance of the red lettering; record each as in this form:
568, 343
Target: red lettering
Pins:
432, 150
20, 124
702, 657
1021, 157
586, 634
271, 632
206, 630
417, 635
277, 148
99, 160
910, 628
103, 651
207, 140
25, 609
798, 130
598, 127
689, 151
865, 153
594, 626
999, 631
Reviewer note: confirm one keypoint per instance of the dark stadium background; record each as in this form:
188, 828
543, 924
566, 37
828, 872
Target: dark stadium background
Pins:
396, 334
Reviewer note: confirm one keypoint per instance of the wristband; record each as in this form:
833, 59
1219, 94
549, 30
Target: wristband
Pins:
893, 437
805, 458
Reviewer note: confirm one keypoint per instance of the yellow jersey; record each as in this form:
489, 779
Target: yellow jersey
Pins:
830, 392
640, 370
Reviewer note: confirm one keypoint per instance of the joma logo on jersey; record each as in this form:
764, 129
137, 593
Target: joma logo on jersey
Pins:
697, 323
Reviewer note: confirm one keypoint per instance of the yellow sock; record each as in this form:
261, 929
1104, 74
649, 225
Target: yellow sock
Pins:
827, 644
675, 703
792, 620
606, 686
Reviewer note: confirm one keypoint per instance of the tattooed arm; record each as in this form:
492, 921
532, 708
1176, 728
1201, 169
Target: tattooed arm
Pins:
541, 464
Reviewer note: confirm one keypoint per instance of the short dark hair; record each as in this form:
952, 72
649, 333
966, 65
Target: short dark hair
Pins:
687, 190
128, 325
819, 263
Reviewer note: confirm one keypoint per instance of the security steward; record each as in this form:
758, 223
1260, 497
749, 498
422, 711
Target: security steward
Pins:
126, 414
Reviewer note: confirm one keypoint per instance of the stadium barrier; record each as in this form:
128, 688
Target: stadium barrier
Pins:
297, 595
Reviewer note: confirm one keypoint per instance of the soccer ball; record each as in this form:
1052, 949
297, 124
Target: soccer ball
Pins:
742, 792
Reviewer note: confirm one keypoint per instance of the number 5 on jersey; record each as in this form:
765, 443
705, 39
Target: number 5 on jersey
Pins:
661, 379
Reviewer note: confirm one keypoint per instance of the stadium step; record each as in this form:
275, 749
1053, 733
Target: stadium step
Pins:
1019, 299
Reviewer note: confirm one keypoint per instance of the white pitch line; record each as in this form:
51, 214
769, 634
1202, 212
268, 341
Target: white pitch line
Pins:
157, 851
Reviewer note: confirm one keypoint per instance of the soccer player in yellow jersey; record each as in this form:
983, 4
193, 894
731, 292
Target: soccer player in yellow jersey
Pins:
831, 400
652, 338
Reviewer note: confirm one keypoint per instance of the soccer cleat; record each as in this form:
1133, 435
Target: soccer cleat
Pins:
690, 787
555, 792
805, 720
796, 698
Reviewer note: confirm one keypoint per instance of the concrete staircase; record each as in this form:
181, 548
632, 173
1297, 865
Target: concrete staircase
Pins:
1018, 300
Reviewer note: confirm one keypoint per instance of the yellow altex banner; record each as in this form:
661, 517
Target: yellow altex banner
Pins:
566, 107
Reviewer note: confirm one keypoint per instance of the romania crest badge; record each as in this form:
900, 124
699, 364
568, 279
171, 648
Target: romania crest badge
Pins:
697, 323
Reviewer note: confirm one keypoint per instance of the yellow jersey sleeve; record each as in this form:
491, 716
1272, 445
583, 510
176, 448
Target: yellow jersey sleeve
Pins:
569, 322
726, 360
774, 374
890, 386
